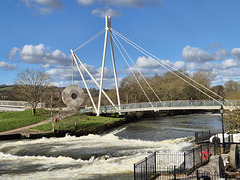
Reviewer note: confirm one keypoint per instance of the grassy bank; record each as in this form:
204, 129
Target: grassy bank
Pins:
13, 120
78, 122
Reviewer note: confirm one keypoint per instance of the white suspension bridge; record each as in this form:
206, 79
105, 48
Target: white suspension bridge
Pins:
114, 37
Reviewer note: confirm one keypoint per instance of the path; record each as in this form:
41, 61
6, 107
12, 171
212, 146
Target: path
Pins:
26, 129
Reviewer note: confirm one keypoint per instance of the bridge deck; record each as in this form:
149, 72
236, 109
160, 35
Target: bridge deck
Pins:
166, 105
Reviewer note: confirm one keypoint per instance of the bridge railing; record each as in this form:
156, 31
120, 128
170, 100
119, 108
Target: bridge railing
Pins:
20, 104
165, 104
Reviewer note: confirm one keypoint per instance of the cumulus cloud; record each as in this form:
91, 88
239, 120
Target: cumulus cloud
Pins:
102, 12
7, 67
195, 54
44, 6
149, 66
39, 54
12, 53
220, 53
236, 52
106, 12
63, 73
229, 63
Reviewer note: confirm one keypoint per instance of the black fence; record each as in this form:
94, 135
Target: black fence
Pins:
215, 140
171, 165
198, 175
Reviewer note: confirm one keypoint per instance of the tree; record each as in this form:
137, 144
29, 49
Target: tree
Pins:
232, 119
32, 83
231, 86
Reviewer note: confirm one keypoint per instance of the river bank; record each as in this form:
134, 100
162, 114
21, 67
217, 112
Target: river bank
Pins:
28, 133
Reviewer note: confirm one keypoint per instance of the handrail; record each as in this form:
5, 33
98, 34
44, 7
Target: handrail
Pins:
166, 105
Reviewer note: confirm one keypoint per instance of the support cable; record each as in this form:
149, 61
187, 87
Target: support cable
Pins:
91, 39
134, 75
148, 55
138, 70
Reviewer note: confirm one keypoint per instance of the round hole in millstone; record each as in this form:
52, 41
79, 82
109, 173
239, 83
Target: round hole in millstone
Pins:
74, 95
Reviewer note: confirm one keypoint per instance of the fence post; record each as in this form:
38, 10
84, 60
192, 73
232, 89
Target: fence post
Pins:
174, 171
208, 151
155, 159
197, 175
209, 135
184, 165
215, 148
201, 154
134, 171
146, 168
193, 158
196, 137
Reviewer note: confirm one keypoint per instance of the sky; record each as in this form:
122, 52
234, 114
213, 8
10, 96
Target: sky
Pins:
189, 35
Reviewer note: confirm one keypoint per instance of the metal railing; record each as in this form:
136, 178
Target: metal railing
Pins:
16, 104
158, 165
165, 105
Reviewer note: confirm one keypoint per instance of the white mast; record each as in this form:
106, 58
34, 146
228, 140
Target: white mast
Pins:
75, 58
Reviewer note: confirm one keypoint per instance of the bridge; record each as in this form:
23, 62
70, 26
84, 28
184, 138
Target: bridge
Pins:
165, 106
214, 102
16, 105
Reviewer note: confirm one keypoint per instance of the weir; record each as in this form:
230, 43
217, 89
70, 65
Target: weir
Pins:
84, 157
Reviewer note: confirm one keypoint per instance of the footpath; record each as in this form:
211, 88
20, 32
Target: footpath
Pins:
27, 132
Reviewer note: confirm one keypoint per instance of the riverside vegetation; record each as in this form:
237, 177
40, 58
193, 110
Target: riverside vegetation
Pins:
73, 123
17, 119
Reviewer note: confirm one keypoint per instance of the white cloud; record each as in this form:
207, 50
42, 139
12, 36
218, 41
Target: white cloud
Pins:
220, 53
39, 54
214, 45
12, 53
195, 54
229, 63
8, 67
44, 6
85, 2
236, 52
106, 12
179, 65
65, 73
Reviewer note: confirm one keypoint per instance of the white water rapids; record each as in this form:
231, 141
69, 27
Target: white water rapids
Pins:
108, 156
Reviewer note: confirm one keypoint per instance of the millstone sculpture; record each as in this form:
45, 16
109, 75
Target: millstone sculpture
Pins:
73, 96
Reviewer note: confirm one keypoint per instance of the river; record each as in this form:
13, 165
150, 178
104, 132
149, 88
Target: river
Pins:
102, 157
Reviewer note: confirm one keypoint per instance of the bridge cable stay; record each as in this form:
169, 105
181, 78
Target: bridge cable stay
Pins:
84, 81
91, 39
72, 70
135, 45
148, 55
94, 80
134, 75
138, 70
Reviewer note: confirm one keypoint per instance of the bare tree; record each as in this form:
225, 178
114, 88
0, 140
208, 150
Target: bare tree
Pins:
32, 83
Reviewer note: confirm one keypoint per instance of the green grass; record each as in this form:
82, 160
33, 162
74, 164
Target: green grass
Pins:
13, 120
78, 122
6, 88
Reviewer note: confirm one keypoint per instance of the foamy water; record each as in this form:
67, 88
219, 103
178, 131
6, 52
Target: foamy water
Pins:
55, 158
108, 156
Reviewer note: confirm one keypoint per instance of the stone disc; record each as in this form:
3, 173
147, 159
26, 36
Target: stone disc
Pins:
73, 96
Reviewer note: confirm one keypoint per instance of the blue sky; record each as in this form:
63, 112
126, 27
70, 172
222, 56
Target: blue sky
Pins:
188, 34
